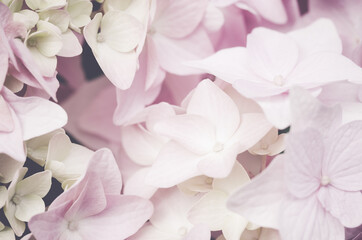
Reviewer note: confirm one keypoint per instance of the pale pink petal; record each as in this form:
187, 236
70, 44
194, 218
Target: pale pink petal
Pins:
177, 19
254, 86
49, 225
174, 165
259, 201
210, 210
218, 164
104, 164
35, 77
149, 232
140, 146
169, 218
272, 54
306, 219
91, 200
305, 151
11, 143
36, 115
136, 184
199, 232
345, 206
236, 178
71, 46
325, 67
173, 53
122, 218
119, 67
307, 111
321, 35
193, 132
253, 127
276, 109
6, 121
272, 11
228, 64
210, 102
343, 161
4, 64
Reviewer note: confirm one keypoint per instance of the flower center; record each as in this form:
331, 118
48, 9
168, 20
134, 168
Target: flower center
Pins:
32, 42
16, 199
279, 80
72, 226
208, 180
325, 180
182, 231
218, 147
100, 38
264, 145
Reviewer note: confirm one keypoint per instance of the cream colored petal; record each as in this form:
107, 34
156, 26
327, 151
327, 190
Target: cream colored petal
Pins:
37, 148
50, 42
79, 11
17, 225
29, 206
7, 234
27, 17
121, 31
3, 196
58, 17
8, 168
38, 184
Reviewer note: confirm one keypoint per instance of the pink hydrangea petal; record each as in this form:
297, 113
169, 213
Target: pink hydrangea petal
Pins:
305, 152
343, 205
260, 200
174, 165
36, 115
173, 53
177, 19
343, 162
271, 53
210, 102
122, 218
306, 219
193, 132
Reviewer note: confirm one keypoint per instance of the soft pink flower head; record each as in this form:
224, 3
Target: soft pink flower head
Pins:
273, 62
314, 189
93, 208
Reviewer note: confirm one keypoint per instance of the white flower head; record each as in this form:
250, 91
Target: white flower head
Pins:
25, 198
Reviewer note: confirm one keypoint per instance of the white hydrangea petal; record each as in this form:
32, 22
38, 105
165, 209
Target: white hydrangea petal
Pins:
121, 31
27, 17
58, 17
70, 45
29, 206
7, 234
80, 11
3, 196
17, 225
48, 41
38, 184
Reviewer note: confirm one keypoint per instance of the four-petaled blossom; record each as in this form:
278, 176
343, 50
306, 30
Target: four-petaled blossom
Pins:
313, 190
205, 140
273, 62
93, 207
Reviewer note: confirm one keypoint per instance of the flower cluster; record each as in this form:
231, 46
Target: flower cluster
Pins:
211, 119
